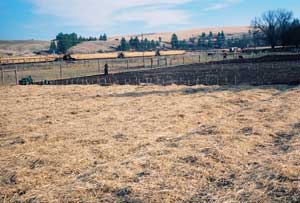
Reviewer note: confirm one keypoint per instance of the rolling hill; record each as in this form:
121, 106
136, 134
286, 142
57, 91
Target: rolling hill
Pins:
30, 47
22, 47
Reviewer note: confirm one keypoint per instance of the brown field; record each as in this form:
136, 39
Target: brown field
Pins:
186, 34
95, 46
22, 47
149, 144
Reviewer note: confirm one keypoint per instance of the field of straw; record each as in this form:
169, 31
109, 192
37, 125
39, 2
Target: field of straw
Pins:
149, 144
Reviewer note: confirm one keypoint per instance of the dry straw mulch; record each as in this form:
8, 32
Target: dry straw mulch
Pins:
149, 144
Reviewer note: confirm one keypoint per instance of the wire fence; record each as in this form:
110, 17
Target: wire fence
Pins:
11, 74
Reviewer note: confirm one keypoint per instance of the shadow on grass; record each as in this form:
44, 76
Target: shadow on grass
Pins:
204, 89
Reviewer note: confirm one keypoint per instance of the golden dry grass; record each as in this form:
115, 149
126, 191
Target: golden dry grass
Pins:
149, 144
113, 55
170, 53
128, 54
22, 47
186, 34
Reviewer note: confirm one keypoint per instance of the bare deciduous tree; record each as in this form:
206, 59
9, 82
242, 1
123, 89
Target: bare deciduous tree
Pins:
274, 25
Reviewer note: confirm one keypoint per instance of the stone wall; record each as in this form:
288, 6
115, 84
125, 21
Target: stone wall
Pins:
229, 73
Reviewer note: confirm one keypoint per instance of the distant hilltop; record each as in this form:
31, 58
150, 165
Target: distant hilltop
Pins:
186, 34
33, 47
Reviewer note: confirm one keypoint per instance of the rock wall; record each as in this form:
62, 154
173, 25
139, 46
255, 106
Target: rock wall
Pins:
234, 73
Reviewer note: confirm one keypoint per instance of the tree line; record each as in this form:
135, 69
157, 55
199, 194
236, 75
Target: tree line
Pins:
63, 42
206, 41
138, 45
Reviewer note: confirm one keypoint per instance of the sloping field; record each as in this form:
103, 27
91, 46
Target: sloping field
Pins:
22, 47
95, 46
186, 34
28, 47
149, 144
113, 43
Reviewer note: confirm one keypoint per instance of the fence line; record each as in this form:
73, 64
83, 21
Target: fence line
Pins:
209, 74
10, 74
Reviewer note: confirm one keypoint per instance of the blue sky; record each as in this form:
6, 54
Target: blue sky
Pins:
43, 19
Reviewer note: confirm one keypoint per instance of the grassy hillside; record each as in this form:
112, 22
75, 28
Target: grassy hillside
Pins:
28, 47
96, 46
22, 47
186, 34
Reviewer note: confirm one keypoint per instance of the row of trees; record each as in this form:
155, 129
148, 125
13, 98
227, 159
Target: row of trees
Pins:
63, 42
103, 37
178, 44
278, 27
204, 41
138, 45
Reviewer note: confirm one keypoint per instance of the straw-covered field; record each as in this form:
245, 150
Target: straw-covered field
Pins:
149, 144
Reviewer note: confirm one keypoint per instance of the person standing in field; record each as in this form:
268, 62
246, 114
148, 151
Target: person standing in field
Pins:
106, 69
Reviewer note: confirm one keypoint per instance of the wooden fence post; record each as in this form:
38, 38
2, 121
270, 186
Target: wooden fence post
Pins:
16, 76
183, 60
60, 71
235, 79
98, 66
166, 61
127, 61
2, 76
151, 62
199, 59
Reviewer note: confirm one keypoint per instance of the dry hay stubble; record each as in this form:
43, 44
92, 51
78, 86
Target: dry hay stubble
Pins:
149, 144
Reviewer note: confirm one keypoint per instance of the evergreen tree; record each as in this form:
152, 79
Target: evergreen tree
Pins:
152, 44
131, 42
199, 43
146, 44
182, 44
64, 42
174, 41
124, 46
210, 43
220, 40
53, 47
192, 40
104, 37
136, 44
210, 40
141, 46
223, 39
202, 41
